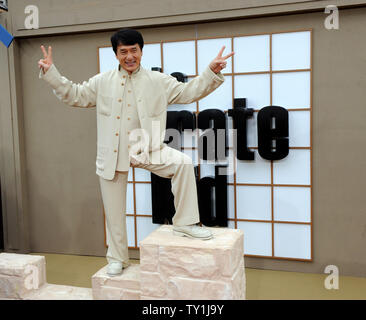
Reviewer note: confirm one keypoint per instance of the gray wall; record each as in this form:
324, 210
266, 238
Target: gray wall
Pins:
61, 197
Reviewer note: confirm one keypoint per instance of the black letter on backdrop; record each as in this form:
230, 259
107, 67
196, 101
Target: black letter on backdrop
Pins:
212, 200
156, 69
181, 77
240, 114
208, 147
179, 120
273, 143
211, 212
162, 198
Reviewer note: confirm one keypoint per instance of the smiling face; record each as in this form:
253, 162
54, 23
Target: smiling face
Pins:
129, 57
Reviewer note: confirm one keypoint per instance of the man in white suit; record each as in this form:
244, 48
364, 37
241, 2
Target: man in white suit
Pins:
128, 100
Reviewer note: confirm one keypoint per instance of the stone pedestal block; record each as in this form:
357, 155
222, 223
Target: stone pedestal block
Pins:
60, 292
173, 267
20, 274
123, 287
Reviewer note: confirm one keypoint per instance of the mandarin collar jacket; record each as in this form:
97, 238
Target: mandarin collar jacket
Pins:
153, 90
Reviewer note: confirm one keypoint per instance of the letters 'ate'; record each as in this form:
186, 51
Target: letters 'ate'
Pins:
273, 144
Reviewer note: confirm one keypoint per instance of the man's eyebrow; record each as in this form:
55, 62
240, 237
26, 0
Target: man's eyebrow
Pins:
134, 48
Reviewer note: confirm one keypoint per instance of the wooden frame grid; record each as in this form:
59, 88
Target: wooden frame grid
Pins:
272, 185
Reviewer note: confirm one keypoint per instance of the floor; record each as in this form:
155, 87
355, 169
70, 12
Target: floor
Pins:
261, 284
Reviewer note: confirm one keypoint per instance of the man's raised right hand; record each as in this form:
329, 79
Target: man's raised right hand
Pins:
47, 62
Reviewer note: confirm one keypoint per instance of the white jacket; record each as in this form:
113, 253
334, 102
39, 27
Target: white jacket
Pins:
154, 91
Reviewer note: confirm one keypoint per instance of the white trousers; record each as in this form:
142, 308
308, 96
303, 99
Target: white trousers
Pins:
175, 165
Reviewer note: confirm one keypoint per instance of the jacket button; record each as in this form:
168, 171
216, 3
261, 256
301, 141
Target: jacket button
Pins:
115, 150
119, 100
117, 134
128, 118
118, 117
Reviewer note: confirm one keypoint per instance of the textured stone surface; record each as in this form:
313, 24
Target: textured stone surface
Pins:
112, 293
60, 292
123, 287
238, 283
196, 289
175, 267
21, 274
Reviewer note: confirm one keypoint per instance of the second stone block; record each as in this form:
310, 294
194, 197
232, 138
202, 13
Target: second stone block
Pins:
173, 267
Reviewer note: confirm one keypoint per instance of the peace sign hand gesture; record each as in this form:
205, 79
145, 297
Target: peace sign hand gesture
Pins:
219, 62
47, 62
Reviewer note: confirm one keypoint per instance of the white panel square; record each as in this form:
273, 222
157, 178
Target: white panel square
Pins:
251, 53
257, 238
252, 131
294, 169
207, 169
291, 90
151, 56
221, 98
253, 202
254, 171
230, 202
130, 225
229, 171
143, 198
252, 135
207, 50
144, 228
142, 175
180, 107
255, 88
292, 241
129, 199
180, 57
231, 224
193, 154
189, 138
299, 128
130, 176
291, 50
292, 204
229, 128
107, 59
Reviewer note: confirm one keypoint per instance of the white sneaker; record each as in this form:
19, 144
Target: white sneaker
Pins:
193, 231
114, 268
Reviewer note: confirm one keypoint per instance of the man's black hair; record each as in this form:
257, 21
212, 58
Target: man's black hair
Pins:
127, 37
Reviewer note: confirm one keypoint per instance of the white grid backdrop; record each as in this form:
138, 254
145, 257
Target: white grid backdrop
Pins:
269, 200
